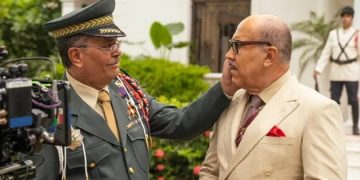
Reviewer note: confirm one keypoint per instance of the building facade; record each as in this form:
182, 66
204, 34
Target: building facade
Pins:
208, 23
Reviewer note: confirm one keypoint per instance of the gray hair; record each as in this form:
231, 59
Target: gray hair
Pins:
273, 30
63, 45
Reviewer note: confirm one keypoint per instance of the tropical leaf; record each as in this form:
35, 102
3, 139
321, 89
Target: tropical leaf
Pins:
316, 30
303, 42
160, 35
181, 44
175, 28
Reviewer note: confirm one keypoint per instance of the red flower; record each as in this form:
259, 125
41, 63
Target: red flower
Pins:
196, 170
160, 167
207, 134
159, 153
160, 178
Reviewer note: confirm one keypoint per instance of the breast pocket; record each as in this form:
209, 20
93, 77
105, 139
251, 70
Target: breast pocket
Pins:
268, 140
272, 152
276, 148
138, 146
96, 154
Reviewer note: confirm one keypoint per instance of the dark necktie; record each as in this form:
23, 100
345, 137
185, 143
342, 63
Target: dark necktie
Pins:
255, 104
104, 101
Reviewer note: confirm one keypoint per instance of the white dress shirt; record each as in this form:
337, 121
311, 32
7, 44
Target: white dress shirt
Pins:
88, 94
344, 72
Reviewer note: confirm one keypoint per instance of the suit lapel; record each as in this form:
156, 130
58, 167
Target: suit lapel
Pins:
275, 111
89, 121
120, 110
231, 124
235, 113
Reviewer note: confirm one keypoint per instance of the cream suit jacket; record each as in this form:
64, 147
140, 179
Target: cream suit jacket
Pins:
314, 146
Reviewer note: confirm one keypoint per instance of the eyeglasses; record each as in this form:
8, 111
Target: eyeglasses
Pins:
236, 44
112, 48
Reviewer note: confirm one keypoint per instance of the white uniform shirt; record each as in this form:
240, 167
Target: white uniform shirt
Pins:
344, 72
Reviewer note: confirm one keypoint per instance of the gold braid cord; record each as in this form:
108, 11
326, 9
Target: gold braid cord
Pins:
109, 30
82, 26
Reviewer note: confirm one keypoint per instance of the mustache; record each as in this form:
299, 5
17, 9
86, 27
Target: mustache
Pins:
232, 65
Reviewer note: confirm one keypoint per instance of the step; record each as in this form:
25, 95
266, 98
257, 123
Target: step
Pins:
353, 142
353, 172
353, 156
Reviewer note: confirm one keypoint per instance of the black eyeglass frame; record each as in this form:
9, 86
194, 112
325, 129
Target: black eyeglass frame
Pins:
236, 44
112, 48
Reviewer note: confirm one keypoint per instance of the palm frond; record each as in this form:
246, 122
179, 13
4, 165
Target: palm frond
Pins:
303, 43
316, 30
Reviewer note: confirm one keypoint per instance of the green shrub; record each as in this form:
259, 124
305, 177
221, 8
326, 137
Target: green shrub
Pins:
21, 27
180, 159
176, 84
160, 77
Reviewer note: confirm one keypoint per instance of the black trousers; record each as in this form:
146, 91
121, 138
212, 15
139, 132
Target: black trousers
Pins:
352, 87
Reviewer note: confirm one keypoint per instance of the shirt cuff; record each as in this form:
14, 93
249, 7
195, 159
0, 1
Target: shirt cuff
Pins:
228, 96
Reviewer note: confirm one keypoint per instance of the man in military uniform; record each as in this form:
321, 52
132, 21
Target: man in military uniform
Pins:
342, 51
112, 118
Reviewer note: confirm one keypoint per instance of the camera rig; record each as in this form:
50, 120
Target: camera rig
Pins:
37, 112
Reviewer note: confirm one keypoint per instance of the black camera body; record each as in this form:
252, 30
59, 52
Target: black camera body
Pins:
3, 52
37, 112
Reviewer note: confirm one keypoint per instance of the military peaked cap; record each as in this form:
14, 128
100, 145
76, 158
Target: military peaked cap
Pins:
94, 20
347, 10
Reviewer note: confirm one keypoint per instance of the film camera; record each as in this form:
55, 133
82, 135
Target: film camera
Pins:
32, 112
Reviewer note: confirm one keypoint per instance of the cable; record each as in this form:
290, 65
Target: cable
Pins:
50, 106
27, 173
41, 158
85, 161
63, 176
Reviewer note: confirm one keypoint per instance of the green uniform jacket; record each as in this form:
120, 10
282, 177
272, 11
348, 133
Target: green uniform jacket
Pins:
107, 159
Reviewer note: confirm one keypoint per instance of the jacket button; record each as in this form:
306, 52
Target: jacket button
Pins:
92, 165
125, 150
268, 172
131, 170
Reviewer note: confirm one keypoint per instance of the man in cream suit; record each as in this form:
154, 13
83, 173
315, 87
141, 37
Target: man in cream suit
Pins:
296, 133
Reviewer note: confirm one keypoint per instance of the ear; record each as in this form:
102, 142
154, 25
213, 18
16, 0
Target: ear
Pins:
75, 56
271, 56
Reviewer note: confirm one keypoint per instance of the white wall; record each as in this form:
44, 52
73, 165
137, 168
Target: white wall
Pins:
357, 14
71, 5
135, 17
67, 6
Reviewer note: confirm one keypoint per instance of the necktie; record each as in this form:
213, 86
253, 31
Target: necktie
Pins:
104, 101
255, 104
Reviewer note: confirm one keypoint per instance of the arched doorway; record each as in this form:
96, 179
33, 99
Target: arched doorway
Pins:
213, 24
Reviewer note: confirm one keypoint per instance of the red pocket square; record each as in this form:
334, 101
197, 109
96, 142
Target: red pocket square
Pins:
276, 132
